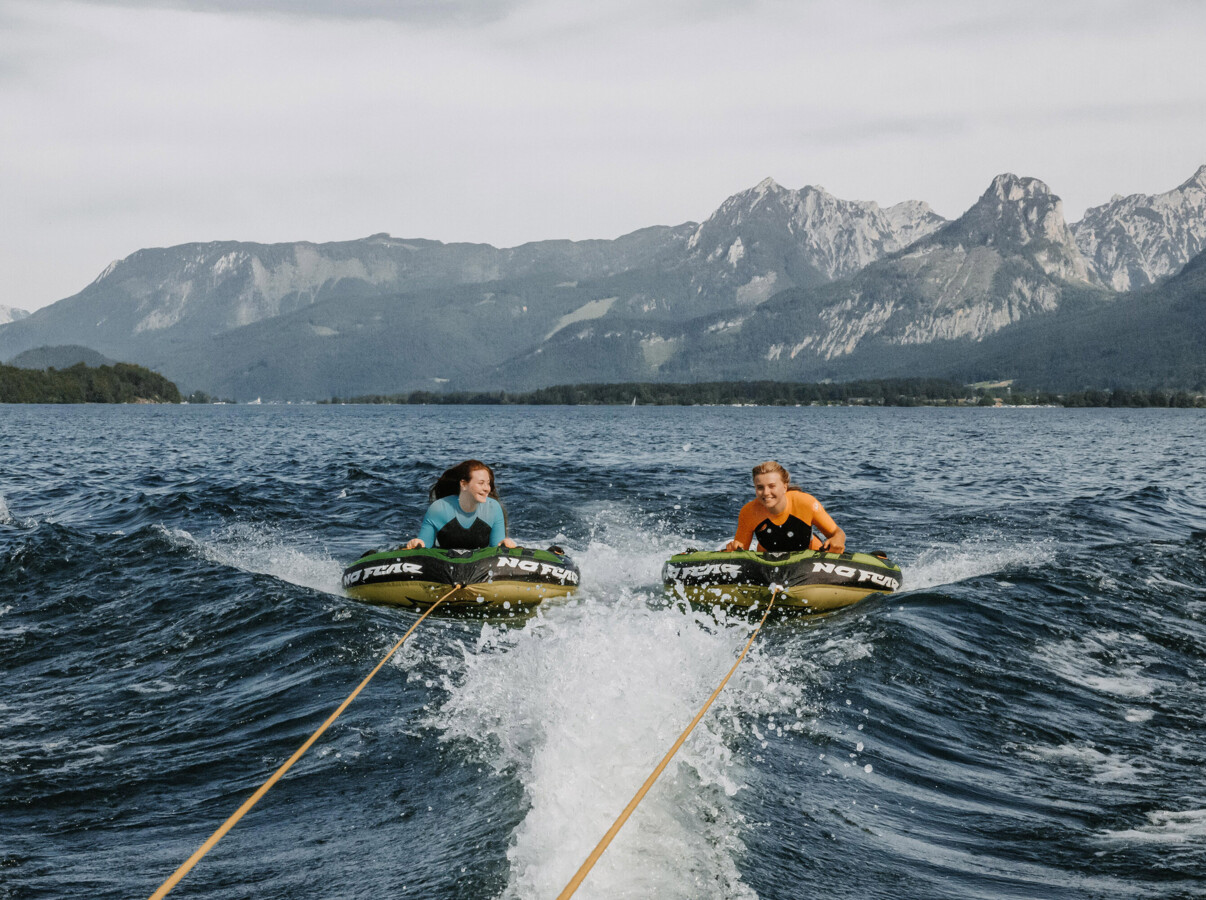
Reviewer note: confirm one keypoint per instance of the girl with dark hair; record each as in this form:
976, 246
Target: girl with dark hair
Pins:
465, 513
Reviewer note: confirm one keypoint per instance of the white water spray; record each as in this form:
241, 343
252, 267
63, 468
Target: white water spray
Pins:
971, 559
580, 705
7, 518
263, 551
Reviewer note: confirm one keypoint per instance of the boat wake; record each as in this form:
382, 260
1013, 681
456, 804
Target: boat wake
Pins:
950, 563
580, 705
263, 551
7, 518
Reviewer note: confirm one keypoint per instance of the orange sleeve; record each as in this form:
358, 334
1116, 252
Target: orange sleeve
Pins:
822, 520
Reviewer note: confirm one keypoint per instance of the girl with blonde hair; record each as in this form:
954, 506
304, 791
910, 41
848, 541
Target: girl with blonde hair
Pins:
782, 517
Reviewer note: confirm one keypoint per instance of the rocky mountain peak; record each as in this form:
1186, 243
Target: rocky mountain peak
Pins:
1009, 187
1020, 216
912, 220
767, 193
1024, 208
775, 237
10, 314
1137, 240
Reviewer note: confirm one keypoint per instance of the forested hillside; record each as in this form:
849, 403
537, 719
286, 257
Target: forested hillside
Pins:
120, 383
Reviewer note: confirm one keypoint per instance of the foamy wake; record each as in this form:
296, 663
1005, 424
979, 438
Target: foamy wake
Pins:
1101, 767
971, 559
1165, 827
264, 551
1108, 662
7, 518
581, 704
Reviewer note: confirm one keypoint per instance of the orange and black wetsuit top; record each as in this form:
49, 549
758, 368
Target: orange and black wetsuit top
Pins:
790, 530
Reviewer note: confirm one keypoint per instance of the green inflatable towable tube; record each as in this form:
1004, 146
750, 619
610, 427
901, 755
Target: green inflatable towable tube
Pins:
492, 580
807, 580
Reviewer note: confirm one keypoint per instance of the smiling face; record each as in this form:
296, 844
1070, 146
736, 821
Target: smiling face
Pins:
771, 489
477, 487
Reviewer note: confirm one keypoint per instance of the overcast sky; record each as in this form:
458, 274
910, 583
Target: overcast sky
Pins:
156, 122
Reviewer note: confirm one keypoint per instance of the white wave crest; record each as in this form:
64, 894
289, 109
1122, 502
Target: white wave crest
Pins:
263, 551
1165, 827
1106, 768
972, 559
7, 518
1104, 661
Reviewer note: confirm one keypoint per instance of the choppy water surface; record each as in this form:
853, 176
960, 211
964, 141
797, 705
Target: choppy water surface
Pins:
1025, 720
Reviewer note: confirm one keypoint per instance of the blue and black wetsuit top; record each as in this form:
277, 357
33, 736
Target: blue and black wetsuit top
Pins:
447, 525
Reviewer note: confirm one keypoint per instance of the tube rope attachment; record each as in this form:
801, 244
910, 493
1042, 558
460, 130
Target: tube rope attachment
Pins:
584, 869
251, 801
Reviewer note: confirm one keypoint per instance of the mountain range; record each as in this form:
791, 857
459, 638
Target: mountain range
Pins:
777, 283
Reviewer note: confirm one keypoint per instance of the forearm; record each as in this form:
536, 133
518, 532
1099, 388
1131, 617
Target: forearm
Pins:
835, 540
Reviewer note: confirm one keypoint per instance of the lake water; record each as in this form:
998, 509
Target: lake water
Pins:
1024, 720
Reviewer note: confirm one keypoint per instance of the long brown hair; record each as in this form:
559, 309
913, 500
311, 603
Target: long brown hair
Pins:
449, 484
766, 468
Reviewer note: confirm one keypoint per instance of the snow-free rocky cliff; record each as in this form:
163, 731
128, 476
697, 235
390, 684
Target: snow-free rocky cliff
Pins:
1138, 240
769, 238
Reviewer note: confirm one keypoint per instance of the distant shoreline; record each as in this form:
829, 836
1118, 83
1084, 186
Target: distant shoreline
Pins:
887, 392
125, 383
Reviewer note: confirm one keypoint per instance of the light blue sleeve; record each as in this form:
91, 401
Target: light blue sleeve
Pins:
498, 527
431, 524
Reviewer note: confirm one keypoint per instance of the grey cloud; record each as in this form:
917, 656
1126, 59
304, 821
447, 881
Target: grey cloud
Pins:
419, 12
458, 12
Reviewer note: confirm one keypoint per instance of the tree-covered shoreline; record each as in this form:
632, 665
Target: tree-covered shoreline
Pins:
874, 392
119, 383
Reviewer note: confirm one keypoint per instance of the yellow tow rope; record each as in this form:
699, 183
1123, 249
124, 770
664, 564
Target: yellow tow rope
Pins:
188, 864
585, 868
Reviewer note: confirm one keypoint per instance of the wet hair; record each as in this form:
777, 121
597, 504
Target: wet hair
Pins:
770, 466
449, 484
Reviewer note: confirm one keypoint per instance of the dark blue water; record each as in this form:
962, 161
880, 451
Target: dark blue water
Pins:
1025, 721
